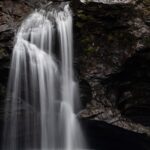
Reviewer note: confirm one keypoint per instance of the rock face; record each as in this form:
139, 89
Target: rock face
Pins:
131, 87
107, 1
113, 44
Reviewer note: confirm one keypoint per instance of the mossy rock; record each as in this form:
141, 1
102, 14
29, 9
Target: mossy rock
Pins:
2, 91
3, 53
146, 2
85, 17
79, 24
146, 41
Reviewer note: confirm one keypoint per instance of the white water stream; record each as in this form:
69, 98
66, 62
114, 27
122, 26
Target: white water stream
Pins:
41, 89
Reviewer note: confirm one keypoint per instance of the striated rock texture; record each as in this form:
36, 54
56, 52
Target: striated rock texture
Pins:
107, 1
113, 48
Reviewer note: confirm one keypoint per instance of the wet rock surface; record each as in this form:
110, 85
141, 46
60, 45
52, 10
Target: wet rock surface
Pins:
112, 43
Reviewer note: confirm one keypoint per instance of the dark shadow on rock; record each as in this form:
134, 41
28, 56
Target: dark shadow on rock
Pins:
131, 87
103, 136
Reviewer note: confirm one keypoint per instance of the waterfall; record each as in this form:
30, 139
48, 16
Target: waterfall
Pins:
42, 91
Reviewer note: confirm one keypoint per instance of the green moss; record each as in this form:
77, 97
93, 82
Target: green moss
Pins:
86, 39
90, 49
84, 17
80, 11
2, 91
122, 38
146, 2
110, 37
2, 53
146, 11
146, 41
87, 42
79, 24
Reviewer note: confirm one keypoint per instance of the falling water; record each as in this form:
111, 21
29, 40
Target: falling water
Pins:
41, 90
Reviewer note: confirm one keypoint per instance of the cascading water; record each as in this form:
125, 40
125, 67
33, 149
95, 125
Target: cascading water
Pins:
41, 90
